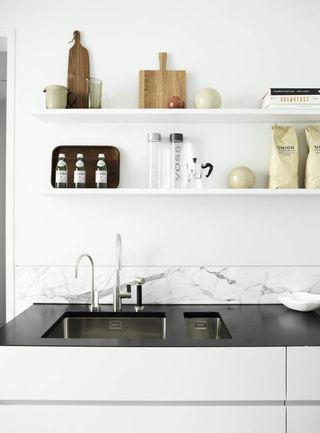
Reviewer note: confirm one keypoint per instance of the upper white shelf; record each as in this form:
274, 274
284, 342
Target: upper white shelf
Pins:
188, 115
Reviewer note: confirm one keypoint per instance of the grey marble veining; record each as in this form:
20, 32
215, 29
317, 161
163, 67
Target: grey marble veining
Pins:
196, 285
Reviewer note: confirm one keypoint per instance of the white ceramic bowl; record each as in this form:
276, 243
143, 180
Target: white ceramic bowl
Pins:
301, 301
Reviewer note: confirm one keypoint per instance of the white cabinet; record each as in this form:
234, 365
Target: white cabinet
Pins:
303, 389
303, 364
142, 390
141, 419
303, 419
142, 374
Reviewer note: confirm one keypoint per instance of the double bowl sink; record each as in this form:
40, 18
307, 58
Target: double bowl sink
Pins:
130, 325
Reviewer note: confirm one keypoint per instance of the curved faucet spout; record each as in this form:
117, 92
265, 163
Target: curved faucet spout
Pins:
118, 265
118, 252
94, 294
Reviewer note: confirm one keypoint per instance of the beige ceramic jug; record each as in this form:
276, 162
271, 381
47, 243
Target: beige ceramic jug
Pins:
59, 97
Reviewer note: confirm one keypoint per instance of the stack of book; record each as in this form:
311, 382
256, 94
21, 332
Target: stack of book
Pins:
291, 98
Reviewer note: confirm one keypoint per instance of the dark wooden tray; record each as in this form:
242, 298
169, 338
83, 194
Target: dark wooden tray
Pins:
90, 154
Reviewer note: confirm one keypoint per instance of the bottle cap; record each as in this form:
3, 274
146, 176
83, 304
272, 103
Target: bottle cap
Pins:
62, 155
79, 155
176, 137
154, 136
101, 155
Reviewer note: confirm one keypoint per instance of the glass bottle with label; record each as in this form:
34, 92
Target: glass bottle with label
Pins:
61, 180
101, 172
79, 176
176, 141
155, 160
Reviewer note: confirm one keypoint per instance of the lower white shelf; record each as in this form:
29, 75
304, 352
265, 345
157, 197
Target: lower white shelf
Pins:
179, 192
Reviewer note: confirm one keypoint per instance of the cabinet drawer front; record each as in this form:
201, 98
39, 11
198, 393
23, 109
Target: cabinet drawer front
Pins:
138, 374
304, 419
303, 373
142, 419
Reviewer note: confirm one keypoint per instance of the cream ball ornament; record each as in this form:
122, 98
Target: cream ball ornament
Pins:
242, 177
208, 98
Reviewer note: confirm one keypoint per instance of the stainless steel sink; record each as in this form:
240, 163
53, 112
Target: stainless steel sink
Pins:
109, 325
204, 326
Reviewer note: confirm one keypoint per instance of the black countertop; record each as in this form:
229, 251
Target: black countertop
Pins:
249, 325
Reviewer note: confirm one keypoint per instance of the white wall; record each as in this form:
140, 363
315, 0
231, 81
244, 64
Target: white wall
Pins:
241, 48
3, 76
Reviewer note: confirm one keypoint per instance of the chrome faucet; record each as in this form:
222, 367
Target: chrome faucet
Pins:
144, 280
94, 293
118, 294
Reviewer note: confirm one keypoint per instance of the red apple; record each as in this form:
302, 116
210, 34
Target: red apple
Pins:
176, 102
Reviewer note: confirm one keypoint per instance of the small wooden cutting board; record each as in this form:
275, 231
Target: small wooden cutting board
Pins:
78, 72
156, 87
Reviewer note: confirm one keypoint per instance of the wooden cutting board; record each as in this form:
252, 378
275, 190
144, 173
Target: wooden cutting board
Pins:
156, 87
79, 72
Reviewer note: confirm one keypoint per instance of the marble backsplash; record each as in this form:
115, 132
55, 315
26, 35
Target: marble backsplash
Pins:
188, 285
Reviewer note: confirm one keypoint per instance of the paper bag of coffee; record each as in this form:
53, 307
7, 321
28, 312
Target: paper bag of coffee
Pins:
312, 179
283, 170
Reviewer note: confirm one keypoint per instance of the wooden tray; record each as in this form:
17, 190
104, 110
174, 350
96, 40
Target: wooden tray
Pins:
90, 154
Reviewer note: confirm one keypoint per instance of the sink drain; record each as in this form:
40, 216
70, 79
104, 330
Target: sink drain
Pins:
115, 324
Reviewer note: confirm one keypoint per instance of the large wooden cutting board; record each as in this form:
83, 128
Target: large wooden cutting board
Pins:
156, 87
79, 72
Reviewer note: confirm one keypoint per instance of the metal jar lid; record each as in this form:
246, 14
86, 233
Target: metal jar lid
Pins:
176, 137
154, 136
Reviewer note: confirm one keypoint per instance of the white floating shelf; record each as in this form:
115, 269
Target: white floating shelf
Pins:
189, 115
183, 192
